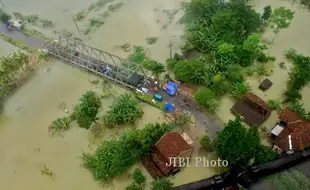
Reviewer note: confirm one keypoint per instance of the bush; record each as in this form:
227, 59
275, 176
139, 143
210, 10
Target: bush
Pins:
191, 71
206, 143
171, 62
206, 98
273, 105
162, 184
125, 110
261, 57
60, 125
113, 157
264, 154
239, 89
138, 177
85, 113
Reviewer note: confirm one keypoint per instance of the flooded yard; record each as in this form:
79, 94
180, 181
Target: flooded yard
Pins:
293, 37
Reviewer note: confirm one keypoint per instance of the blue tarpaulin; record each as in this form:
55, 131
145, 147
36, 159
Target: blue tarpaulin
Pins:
172, 88
169, 107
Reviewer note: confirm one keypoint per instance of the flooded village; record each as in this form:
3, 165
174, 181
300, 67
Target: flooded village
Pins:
30, 157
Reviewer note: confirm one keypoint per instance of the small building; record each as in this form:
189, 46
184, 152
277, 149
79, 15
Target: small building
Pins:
171, 144
292, 133
252, 109
265, 84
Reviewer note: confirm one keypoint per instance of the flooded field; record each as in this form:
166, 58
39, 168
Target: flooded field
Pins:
24, 142
6, 48
293, 37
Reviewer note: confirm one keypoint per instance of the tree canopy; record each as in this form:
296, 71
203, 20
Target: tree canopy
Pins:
85, 112
113, 157
238, 145
290, 180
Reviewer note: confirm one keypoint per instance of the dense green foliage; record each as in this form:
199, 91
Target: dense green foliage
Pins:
190, 71
134, 186
264, 154
289, 180
299, 75
280, 18
113, 157
85, 113
272, 104
138, 177
298, 107
126, 109
206, 143
239, 89
162, 184
267, 13
238, 145
207, 98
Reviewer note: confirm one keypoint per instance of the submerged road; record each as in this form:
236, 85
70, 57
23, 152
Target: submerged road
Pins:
202, 120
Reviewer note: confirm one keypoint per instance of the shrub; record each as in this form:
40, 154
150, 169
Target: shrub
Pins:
60, 125
206, 143
125, 110
192, 71
206, 98
138, 177
273, 105
85, 113
134, 186
239, 89
162, 184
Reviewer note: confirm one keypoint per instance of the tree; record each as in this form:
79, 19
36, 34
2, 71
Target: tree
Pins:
280, 18
220, 85
126, 109
252, 43
206, 143
206, 98
267, 13
290, 180
264, 154
235, 74
190, 71
138, 177
236, 144
85, 113
4, 16
134, 186
239, 89
155, 67
162, 184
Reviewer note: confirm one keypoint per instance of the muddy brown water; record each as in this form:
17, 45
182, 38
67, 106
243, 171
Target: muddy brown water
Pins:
24, 142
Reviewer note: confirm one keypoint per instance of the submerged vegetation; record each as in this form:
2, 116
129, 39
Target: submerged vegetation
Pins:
299, 76
125, 110
34, 20
114, 157
85, 113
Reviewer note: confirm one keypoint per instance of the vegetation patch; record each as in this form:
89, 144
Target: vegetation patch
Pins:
238, 145
151, 40
114, 157
85, 113
149, 99
162, 184
16, 42
125, 110
299, 76
60, 125
34, 20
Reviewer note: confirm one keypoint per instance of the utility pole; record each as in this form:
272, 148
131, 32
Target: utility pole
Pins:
77, 27
2, 4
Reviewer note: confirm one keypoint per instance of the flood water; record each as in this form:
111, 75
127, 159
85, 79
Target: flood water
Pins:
24, 142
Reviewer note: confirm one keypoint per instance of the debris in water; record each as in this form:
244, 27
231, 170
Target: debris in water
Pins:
151, 40
126, 47
94, 81
47, 171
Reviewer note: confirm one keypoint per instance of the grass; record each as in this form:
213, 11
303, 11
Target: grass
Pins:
148, 99
16, 43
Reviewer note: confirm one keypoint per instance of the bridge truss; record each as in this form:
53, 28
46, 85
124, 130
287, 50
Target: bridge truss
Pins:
119, 70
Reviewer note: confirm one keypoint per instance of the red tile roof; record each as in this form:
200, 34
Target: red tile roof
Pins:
297, 127
257, 100
172, 144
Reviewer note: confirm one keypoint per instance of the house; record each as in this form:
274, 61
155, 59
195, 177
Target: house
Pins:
292, 133
171, 144
252, 109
